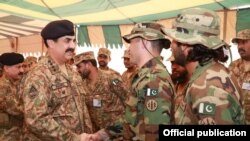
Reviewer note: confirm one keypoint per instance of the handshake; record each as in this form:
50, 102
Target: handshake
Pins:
101, 135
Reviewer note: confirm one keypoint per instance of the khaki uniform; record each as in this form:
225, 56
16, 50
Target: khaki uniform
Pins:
53, 105
104, 100
212, 96
127, 77
11, 112
110, 72
241, 69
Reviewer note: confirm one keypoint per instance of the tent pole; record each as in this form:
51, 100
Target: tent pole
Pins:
224, 24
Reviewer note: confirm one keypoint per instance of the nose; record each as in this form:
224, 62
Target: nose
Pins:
21, 69
73, 44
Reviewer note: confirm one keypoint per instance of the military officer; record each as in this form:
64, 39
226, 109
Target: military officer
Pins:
105, 93
103, 59
11, 111
53, 92
132, 69
212, 95
241, 68
150, 100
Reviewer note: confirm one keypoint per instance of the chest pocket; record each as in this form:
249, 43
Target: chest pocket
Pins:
60, 93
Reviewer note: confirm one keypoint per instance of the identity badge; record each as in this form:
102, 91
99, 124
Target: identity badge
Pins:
246, 86
97, 103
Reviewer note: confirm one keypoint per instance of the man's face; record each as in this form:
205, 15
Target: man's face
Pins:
127, 63
15, 71
244, 49
26, 67
82, 68
64, 48
134, 50
178, 72
103, 60
180, 57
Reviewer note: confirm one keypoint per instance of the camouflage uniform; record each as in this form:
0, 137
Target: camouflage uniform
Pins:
128, 75
11, 112
104, 97
241, 69
212, 95
149, 103
104, 100
53, 105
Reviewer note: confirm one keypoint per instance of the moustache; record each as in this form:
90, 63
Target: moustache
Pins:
241, 50
20, 73
70, 50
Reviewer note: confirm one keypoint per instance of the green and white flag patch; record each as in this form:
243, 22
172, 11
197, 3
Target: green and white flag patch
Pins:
207, 108
152, 92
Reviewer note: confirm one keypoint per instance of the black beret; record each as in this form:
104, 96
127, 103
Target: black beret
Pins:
10, 59
57, 29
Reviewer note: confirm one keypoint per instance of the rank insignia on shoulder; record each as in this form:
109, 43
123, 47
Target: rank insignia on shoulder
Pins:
151, 105
33, 92
116, 81
152, 92
207, 108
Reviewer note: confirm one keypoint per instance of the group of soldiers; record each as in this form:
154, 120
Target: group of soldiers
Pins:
52, 101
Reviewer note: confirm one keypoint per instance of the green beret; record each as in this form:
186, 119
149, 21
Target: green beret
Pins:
57, 29
12, 58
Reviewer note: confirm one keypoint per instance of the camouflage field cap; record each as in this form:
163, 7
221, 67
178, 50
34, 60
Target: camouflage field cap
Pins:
147, 31
104, 51
242, 35
30, 59
196, 26
126, 54
89, 55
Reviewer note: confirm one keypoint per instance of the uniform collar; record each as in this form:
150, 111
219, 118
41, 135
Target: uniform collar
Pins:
246, 65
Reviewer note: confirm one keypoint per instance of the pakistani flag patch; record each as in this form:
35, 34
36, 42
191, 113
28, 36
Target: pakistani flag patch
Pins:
152, 92
207, 108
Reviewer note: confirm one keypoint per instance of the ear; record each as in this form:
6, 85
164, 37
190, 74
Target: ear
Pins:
50, 43
5, 68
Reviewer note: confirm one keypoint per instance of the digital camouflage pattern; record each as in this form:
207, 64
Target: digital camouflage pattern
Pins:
53, 105
149, 103
241, 69
212, 96
196, 26
89, 55
110, 71
127, 77
242, 35
104, 51
105, 100
148, 31
11, 111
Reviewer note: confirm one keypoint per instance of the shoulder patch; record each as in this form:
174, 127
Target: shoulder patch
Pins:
151, 105
207, 108
33, 92
116, 81
152, 92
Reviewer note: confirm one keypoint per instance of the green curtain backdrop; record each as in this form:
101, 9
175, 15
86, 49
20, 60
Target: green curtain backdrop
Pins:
83, 36
243, 19
112, 35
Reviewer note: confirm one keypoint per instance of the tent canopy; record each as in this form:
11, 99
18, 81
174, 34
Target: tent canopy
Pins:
27, 17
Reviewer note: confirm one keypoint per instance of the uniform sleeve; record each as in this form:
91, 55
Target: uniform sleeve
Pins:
9, 100
148, 107
215, 105
37, 113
